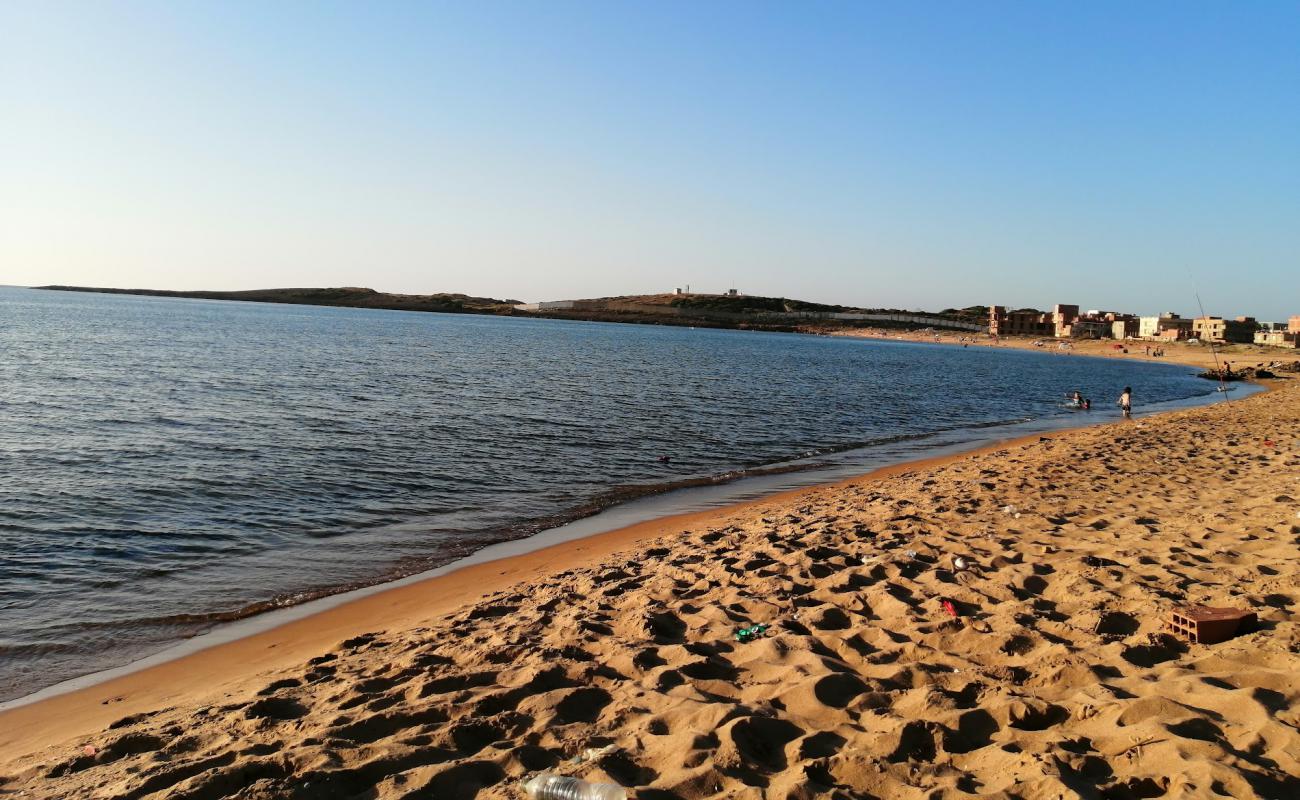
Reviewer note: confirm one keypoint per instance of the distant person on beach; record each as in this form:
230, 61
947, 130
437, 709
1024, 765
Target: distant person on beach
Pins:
1126, 402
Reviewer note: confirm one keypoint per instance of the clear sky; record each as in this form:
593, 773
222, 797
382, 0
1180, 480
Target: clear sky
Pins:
916, 155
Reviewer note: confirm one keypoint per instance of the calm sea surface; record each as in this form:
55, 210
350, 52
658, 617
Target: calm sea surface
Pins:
169, 464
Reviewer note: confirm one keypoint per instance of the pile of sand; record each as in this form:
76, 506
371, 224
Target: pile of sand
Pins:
1055, 680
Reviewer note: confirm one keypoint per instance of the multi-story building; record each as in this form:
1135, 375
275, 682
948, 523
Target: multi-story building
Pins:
1293, 324
1093, 324
1125, 328
1165, 327
1120, 326
1242, 329
1065, 322
1218, 329
1019, 323
1209, 329
1063, 316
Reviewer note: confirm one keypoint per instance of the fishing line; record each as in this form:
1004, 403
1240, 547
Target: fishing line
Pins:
1214, 351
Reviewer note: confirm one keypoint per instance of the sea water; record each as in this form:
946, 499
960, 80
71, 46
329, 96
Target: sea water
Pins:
170, 464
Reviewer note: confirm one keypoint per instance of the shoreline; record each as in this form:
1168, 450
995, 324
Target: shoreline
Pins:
107, 695
836, 467
941, 446
391, 606
1083, 539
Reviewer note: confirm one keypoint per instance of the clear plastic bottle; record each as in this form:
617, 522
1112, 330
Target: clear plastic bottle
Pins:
557, 787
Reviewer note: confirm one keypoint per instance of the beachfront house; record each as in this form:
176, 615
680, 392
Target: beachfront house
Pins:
1063, 317
1273, 337
1093, 324
1126, 328
1165, 327
1026, 322
1065, 322
1217, 329
1087, 329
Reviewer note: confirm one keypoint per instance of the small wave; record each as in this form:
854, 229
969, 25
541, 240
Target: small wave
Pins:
171, 422
469, 541
30, 649
208, 619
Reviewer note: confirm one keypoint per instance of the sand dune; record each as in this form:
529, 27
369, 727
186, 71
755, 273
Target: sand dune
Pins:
1054, 680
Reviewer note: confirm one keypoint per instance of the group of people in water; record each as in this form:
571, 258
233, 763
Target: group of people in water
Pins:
1125, 402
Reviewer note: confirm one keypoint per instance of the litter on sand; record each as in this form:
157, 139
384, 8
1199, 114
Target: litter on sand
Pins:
595, 753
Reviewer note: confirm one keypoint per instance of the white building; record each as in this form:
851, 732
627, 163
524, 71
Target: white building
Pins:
1155, 327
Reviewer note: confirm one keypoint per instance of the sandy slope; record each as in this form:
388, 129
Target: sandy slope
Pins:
1055, 681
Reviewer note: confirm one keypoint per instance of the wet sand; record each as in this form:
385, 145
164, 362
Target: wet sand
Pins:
1054, 679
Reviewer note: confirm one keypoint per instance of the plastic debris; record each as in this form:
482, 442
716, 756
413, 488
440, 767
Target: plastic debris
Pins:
949, 607
557, 787
595, 753
751, 633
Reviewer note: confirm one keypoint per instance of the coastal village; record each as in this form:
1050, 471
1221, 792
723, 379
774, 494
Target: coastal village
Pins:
1068, 322
1102, 612
1063, 322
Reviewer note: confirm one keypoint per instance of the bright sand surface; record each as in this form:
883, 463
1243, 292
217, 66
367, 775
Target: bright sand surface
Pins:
1054, 680
1196, 355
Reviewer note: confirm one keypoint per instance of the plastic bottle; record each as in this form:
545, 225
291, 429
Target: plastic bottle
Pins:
557, 787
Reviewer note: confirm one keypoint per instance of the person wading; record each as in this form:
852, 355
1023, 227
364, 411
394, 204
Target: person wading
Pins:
1126, 402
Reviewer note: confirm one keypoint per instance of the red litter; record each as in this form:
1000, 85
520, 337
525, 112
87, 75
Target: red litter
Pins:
949, 607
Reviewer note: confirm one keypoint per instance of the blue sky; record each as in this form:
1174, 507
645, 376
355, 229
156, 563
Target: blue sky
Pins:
911, 155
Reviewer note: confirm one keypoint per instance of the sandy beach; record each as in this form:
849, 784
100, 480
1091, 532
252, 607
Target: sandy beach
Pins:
1040, 670
1195, 355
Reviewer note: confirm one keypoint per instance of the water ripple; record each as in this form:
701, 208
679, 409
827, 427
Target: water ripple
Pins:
171, 464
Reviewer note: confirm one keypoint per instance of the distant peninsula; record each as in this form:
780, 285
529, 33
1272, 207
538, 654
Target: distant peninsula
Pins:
346, 296
730, 310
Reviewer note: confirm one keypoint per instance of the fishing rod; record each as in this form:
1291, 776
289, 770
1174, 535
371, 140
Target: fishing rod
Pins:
1214, 351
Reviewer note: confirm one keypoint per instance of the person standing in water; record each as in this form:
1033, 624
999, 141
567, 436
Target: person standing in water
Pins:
1126, 402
